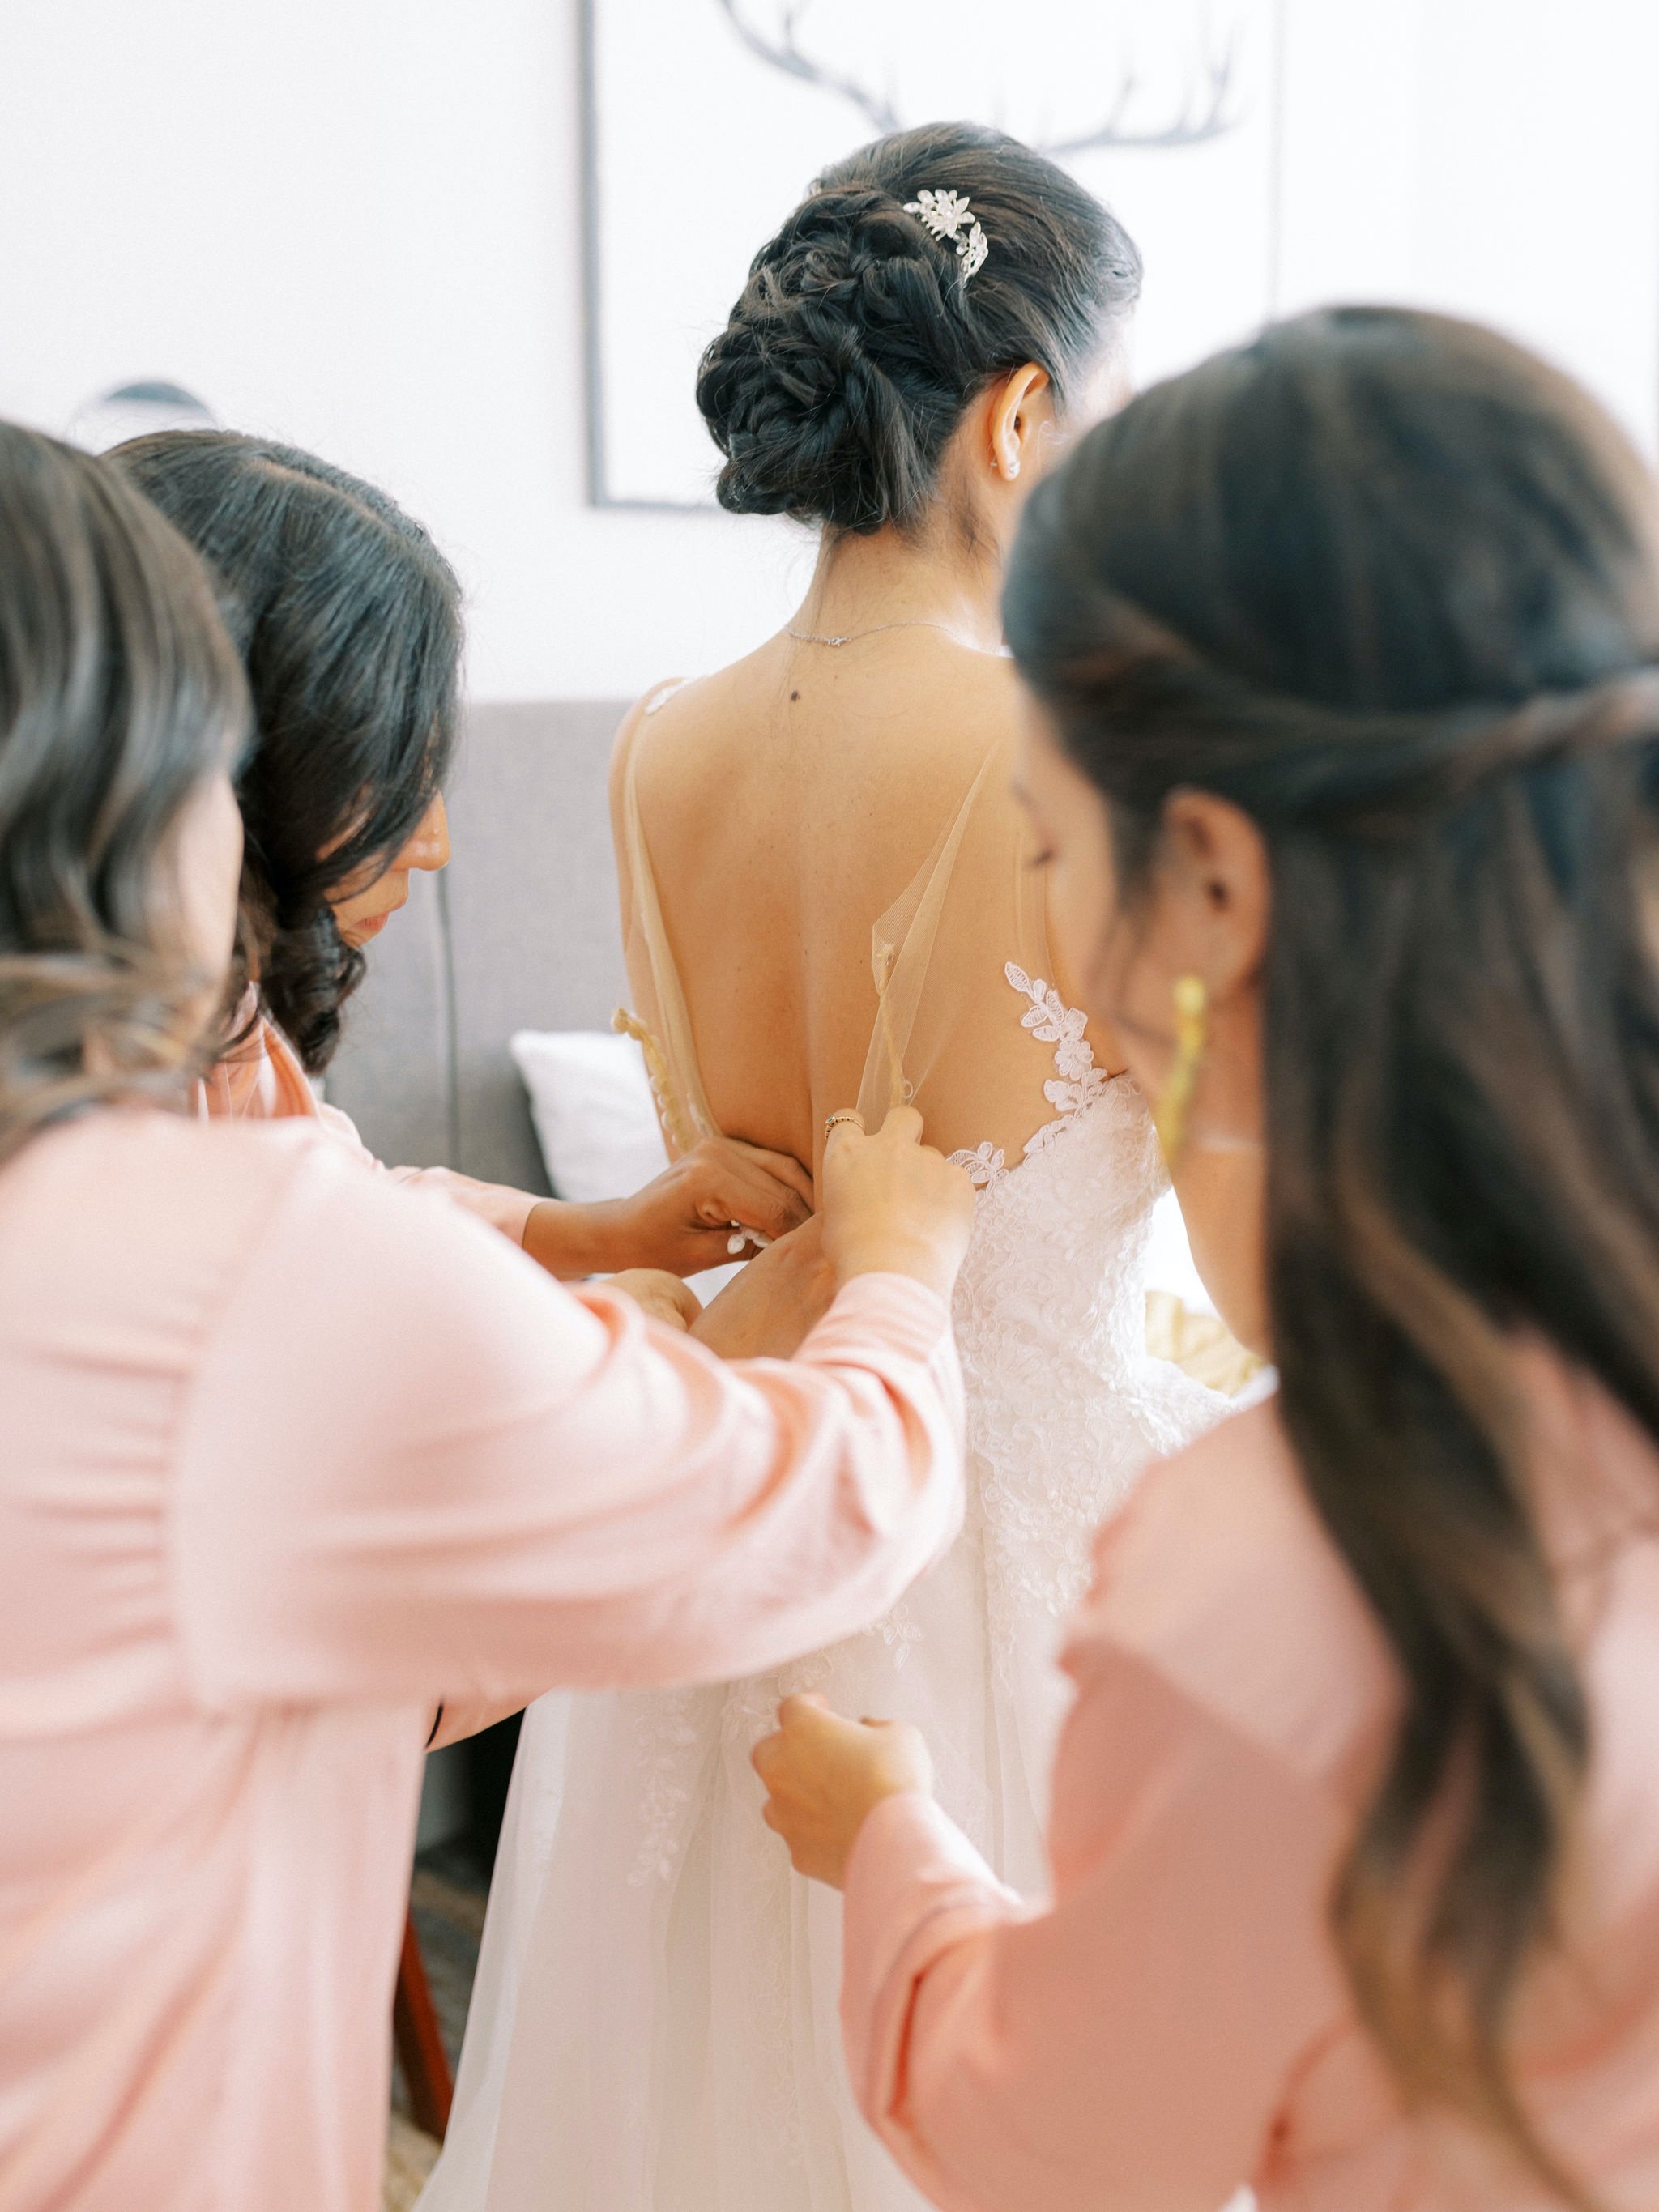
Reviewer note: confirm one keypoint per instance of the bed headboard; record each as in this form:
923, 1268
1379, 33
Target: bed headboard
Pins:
519, 932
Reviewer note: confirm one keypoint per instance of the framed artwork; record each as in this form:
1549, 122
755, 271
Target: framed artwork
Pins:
705, 121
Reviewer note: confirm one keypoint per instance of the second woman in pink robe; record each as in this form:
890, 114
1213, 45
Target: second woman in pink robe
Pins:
291, 1454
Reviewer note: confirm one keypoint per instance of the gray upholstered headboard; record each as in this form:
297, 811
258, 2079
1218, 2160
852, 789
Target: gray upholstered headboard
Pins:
521, 931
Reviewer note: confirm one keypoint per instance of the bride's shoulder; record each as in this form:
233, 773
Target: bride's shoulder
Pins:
648, 704
642, 716
675, 745
670, 704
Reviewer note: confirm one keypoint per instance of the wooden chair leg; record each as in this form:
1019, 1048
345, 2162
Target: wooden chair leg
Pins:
418, 2041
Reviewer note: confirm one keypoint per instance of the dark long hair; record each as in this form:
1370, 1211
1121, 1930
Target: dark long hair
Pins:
348, 619
1387, 585
120, 694
857, 344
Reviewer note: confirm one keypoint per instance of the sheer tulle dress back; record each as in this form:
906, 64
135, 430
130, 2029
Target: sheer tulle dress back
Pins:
654, 2027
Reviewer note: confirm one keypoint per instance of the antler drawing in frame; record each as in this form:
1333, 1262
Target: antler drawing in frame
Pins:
1204, 111
784, 52
1208, 108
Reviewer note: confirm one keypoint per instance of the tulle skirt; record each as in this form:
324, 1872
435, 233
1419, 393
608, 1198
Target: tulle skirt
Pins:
655, 2023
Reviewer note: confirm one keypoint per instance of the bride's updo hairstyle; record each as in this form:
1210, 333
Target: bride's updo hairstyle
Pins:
857, 341
348, 619
119, 696
1387, 584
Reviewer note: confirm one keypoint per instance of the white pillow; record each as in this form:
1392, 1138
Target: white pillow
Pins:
590, 1098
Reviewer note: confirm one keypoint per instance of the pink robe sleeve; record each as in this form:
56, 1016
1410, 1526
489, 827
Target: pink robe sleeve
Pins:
504, 1209
1129, 2044
260, 1079
461, 1481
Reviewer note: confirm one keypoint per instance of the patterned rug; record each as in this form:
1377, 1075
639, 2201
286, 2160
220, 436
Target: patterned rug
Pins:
409, 2159
448, 1899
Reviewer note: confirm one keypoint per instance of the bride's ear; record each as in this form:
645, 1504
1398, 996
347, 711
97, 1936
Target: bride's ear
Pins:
1019, 412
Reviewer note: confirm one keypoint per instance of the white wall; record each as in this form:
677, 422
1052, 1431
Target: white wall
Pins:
354, 222
1494, 158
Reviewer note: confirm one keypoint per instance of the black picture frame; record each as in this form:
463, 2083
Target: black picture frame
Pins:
599, 493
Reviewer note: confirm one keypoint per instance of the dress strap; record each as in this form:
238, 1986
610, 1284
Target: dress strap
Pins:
901, 953
1075, 1085
662, 1023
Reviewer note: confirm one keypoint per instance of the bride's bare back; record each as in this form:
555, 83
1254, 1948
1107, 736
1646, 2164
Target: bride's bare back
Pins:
783, 807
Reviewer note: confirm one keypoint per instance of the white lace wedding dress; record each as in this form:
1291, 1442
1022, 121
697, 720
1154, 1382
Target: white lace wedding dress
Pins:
654, 2027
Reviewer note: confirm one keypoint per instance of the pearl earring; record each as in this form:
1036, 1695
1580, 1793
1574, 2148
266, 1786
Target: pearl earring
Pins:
1012, 470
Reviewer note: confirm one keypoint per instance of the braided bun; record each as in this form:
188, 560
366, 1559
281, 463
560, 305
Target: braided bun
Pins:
857, 343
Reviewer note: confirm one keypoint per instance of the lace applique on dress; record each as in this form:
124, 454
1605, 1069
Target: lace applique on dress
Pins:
1079, 1082
667, 1742
898, 1631
985, 1165
1075, 1085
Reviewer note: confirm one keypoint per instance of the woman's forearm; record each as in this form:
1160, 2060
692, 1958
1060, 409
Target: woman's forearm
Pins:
498, 1204
1060, 2056
488, 1487
572, 1241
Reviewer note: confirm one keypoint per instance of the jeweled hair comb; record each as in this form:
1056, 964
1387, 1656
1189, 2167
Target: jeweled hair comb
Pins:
947, 214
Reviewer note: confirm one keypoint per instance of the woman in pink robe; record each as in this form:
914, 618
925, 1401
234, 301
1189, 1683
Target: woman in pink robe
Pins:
258, 1077
1344, 743
349, 625
290, 1453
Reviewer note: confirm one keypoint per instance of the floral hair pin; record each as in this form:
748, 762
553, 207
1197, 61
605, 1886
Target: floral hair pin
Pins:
947, 214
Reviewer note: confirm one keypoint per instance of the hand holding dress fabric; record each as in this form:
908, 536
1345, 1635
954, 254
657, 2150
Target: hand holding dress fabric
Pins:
686, 1219
892, 1205
683, 1220
824, 1776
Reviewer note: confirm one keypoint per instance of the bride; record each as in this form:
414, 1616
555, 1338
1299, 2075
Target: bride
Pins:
828, 894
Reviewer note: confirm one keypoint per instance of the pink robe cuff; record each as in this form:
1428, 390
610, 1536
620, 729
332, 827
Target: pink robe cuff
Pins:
509, 1210
915, 1886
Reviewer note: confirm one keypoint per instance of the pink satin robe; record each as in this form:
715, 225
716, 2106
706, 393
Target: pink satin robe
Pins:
260, 1079
289, 1454
1175, 2021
